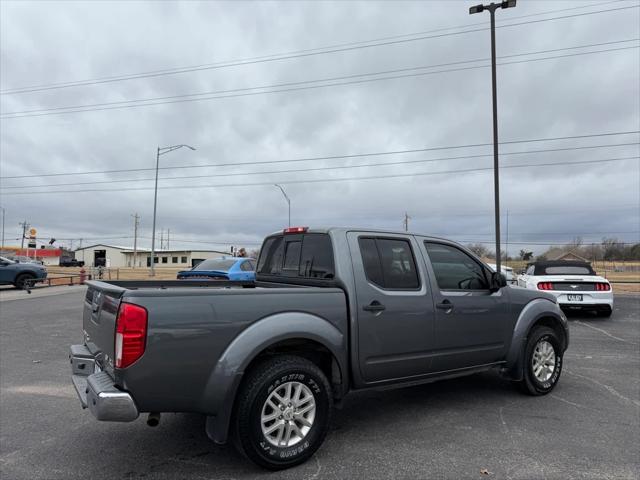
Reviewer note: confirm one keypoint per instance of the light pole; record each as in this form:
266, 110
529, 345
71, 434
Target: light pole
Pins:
161, 151
492, 7
3, 212
288, 201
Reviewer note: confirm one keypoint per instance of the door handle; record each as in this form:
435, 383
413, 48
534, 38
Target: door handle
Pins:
446, 305
374, 306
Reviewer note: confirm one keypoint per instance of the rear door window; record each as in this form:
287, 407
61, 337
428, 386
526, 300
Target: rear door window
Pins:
389, 263
371, 261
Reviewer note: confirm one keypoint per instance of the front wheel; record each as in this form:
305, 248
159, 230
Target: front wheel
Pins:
283, 412
542, 361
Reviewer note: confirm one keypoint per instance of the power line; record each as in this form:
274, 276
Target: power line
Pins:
384, 41
331, 157
275, 88
313, 169
289, 182
329, 79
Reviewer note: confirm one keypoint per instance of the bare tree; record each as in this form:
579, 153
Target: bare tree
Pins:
479, 249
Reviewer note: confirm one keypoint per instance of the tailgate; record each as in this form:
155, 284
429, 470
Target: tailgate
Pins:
99, 320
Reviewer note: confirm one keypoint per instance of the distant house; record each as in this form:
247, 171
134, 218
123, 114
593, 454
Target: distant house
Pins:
571, 256
114, 256
47, 255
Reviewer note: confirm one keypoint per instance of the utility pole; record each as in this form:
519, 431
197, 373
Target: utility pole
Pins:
168, 232
136, 222
406, 221
24, 225
492, 7
161, 239
506, 246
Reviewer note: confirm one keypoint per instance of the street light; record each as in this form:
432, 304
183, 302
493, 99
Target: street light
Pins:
3, 213
492, 7
161, 151
287, 198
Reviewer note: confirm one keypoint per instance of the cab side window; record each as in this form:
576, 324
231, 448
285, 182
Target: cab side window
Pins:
454, 269
389, 263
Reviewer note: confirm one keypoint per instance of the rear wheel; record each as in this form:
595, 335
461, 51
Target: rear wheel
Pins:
21, 281
542, 361
605, 312
283, 412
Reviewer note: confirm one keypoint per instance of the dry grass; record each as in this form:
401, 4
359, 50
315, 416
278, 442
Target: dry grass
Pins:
58, 274
116, 273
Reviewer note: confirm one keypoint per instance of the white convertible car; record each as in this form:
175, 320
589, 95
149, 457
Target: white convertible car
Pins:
575, 284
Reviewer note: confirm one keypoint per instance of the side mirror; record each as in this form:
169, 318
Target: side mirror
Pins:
498, 281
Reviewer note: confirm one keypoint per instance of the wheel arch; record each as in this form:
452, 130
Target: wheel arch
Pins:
297, 333
24, 274
537, 312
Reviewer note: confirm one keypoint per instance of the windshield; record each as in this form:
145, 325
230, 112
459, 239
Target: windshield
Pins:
568, 270
215, 264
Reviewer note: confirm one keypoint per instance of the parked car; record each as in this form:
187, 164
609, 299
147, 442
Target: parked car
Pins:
575, 284
19, 274
23, 259
234, 268
71, 262
507, 272
332, 311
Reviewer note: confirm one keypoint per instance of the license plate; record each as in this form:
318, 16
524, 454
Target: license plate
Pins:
574, 298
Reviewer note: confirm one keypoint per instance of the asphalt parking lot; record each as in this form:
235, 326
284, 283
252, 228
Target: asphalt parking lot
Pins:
474, 427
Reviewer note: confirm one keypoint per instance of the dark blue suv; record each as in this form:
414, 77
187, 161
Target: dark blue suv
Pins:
18, 274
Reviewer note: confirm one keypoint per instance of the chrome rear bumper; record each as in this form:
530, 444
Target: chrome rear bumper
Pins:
97, 391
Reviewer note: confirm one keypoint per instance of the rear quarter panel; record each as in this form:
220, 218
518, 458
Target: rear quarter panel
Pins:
189, 331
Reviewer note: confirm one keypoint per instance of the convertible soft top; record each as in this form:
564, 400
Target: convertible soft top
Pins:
573, 267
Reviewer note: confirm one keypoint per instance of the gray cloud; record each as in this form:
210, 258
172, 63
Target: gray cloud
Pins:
49, 42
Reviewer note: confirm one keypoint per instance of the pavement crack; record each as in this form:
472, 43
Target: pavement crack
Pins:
608, 388
604, 332
315, 475
564, 400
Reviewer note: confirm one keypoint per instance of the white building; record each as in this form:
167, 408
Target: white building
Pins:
112, 256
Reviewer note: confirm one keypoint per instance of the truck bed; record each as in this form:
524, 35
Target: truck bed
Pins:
190, 326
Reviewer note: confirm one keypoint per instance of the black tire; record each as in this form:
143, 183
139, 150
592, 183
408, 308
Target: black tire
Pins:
604, 312
530, 383
259, 384
21, 279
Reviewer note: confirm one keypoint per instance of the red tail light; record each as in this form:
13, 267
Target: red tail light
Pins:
131, 334
603, 287
295, 230
545, 286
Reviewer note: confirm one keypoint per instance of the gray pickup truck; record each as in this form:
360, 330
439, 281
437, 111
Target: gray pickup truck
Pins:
332, 311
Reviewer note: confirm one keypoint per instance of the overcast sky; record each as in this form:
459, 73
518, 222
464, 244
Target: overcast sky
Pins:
46, 43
